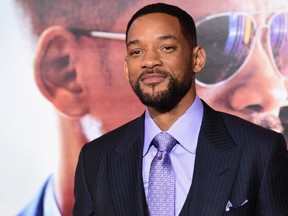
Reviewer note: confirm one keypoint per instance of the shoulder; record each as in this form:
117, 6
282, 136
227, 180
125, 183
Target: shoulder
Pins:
116, 137
95, 156
35, 207
257, 140
244, 132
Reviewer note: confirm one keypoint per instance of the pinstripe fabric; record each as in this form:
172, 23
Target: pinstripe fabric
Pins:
235, 161
109, 176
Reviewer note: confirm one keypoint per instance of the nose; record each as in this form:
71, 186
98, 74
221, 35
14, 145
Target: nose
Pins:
260, 87
151, 58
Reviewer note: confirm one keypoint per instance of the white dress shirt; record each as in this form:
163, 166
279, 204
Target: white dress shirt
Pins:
186, 131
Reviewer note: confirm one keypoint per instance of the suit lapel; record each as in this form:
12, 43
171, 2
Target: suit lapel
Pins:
216, 163
125, 171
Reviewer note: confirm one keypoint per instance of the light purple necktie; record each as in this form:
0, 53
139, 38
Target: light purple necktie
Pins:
161, 187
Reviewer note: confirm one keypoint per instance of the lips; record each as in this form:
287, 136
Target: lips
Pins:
153, 78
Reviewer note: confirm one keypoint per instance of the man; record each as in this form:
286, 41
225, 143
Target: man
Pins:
80, 75
238, 168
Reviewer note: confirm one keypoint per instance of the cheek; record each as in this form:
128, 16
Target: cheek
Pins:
95, 77
109, 84
115, 64
133, 70
200, 91
178, 64
209, 94
103, 73
112, 92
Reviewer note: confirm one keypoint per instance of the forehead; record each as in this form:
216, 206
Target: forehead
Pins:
154, 26
155, 21
198, 9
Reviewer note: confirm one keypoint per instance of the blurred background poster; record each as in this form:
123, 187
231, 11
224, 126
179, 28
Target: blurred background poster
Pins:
28, 124
62, 83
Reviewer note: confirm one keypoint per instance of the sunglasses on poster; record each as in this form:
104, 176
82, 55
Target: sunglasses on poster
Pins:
228, 39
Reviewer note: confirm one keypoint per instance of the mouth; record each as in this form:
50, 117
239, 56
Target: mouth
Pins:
152, 79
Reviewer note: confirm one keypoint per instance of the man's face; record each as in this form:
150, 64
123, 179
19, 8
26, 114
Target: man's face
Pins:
158, 61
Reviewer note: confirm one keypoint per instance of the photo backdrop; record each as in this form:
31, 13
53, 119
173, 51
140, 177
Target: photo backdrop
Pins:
37, 120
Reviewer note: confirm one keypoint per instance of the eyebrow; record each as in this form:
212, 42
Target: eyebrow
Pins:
133, 42
167, 37
161, 38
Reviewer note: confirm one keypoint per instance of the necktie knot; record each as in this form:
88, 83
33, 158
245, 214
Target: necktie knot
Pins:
164, 142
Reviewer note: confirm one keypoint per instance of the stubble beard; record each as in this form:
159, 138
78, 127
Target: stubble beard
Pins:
165, 100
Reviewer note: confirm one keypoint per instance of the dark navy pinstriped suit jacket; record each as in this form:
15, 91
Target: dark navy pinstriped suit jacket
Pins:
236, 161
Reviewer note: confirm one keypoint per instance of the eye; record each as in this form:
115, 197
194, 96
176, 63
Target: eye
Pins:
135, 53
168, 48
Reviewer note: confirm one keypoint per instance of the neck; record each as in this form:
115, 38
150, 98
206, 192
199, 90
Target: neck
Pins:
167, 119
72, 141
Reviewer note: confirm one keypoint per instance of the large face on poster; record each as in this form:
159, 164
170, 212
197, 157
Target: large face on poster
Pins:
246, 69
245, 73
78, 66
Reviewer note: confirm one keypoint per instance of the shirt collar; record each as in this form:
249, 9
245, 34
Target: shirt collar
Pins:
186, 129
50, 203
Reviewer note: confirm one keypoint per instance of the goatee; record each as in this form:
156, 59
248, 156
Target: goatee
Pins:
165, 100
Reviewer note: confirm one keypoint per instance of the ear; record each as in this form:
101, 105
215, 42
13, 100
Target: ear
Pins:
56, 73
199, 58
126, 69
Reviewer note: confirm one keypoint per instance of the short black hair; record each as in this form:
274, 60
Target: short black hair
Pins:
186, 22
